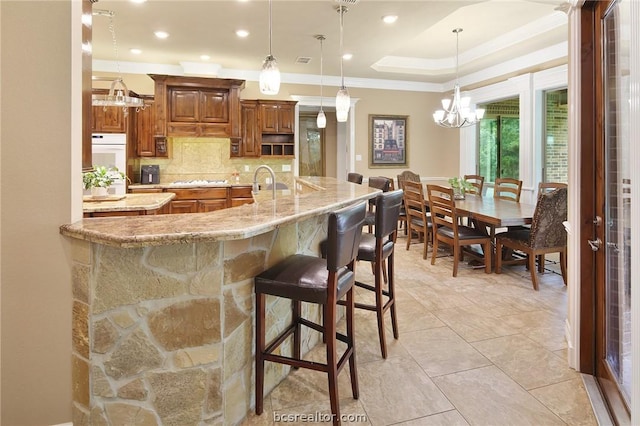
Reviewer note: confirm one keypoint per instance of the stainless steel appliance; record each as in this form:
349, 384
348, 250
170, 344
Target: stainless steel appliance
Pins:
150, 174
110, 150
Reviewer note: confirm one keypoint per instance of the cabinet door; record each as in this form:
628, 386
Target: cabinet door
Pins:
108, 120
214, 107
211, 205
184, 206
269, 118
184, 105
145, 121
250, 143
285, 118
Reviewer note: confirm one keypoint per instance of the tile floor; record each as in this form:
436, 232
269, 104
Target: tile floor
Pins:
478, 349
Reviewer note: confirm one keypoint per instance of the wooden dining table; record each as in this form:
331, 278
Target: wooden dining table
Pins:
496, 213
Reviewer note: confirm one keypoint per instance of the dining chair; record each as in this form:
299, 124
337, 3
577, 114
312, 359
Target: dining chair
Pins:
417, 220
310, 279
550, 186
507, 189
477, 183
547, 234
401, 178
447, 229
355, 178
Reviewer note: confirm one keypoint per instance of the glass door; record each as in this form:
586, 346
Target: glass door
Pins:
311, 145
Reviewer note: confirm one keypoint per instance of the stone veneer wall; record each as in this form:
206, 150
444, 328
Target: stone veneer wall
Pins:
208, 158
164, 334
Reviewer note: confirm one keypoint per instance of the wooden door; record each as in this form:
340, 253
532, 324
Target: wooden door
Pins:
144, 131
285, 118
269, 118
184, 105
214, 106
250, 143
605, 204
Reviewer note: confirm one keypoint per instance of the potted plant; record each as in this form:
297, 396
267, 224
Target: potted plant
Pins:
460, 185
100, 179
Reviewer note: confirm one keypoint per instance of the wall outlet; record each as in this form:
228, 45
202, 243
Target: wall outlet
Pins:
268, 180
246, 168
358, 157
286, 167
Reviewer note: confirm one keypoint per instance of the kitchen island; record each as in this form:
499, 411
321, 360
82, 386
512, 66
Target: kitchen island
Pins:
127, 205
163, 310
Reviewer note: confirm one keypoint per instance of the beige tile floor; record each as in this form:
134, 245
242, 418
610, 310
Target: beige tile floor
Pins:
479, 349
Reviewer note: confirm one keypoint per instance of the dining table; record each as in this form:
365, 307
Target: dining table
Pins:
495, 212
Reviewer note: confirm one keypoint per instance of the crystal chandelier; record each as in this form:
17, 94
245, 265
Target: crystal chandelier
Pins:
456, 111
343, 101
118, 93
321, 121
270, 74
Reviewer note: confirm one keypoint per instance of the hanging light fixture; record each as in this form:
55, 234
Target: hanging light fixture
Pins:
343, 101
321, 121
270, 74
456, 111
118, 93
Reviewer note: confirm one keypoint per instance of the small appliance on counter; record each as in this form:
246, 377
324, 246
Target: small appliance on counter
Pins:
150, 174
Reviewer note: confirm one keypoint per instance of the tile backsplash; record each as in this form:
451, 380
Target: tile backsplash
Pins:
208, 158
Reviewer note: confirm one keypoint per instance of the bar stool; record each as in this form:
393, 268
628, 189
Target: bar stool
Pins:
303, 278
378, 182
378, 248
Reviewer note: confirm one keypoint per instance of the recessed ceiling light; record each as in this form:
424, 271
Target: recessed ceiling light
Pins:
389, 19
135, 51
242, 33
205, 57
347, 56
161, 34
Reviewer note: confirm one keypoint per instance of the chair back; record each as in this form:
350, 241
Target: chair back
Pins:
507, 189
414, 201
380, 182
550, 186
443, 207
355, 178
387, 212
407, 175
345, 230
547, 230
477, 183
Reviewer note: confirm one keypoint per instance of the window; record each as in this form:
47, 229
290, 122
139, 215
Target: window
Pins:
556, 137
499, 140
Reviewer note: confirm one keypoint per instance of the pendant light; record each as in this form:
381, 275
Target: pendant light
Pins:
343, 101
270, 74
118, 93
321, 121
455, 112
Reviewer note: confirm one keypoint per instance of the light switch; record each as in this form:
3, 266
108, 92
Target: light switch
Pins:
358, 157
246, 168
286, 167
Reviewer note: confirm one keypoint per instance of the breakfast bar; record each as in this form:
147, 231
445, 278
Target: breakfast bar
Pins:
163, 305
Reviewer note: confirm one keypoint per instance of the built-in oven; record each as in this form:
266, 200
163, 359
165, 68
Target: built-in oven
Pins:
110, 150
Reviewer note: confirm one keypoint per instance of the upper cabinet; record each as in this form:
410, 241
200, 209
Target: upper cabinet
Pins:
249, 143
277, 116
196, 106
108, 120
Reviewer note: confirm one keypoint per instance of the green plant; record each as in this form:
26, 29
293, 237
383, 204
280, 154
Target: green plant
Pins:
460, 183
101, 176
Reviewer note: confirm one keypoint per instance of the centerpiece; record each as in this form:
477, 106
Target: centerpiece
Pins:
100, 179
460, 186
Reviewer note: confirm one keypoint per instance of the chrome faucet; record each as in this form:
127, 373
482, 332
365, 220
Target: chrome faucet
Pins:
256, 187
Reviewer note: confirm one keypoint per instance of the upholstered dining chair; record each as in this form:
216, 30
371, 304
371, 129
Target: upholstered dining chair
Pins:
447, 229
355, 178
507, 189
547, 234
401, 178
310, 279
477, 183
550, 186
417, 220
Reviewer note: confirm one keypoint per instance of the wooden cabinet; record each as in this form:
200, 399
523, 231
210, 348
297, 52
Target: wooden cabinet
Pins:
143, 136
276, 117
250, 137
108, 120
241, 195
267, 129
183, 206
203, 199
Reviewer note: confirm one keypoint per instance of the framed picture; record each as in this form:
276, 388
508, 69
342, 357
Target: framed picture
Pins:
388, 140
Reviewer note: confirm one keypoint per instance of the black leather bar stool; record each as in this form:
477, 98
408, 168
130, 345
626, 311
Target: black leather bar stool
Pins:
378, 182
378, 248
303, 278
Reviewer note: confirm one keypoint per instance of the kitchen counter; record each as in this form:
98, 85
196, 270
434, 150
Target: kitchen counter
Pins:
130, 203
312, 196
162, 316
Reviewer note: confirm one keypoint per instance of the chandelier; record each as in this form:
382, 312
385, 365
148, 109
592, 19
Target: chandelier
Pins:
321, 121
456, 111
270, 74
118, 93
343, 101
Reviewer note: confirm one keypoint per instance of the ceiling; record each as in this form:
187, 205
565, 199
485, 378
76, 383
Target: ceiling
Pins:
500, 38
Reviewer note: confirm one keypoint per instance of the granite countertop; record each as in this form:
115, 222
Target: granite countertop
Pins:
312, 196
130, 202
170, 186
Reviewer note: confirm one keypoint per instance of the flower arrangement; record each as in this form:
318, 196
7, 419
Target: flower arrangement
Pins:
101, 177
460, 185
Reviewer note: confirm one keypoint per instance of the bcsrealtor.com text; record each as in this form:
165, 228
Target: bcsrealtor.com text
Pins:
316, 417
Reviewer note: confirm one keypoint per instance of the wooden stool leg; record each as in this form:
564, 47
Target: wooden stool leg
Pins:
332, 360
260, 345
392, 296
297, 308
353, 371
379, 307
